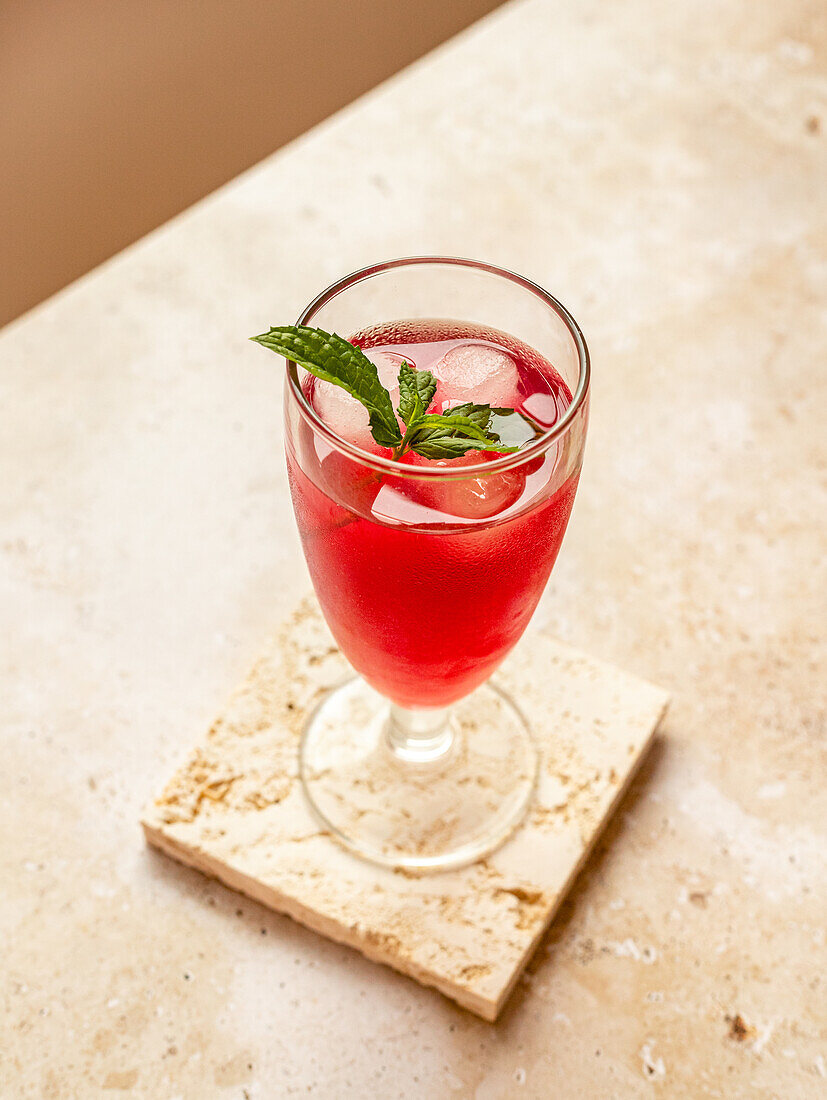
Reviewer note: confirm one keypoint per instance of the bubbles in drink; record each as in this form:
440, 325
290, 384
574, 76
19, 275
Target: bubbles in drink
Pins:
348, 417
479, 373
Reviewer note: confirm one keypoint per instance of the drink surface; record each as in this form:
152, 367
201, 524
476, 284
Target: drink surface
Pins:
427, 583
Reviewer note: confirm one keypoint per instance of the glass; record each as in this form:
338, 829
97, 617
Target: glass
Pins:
418, 762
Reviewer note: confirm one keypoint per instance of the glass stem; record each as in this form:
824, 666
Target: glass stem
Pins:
419, 736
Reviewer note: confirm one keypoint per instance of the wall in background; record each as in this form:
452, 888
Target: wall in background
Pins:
116, 114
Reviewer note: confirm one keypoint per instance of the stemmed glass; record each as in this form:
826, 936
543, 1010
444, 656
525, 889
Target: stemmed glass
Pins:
417, 762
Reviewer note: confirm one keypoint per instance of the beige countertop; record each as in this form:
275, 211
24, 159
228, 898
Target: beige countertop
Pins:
660, 167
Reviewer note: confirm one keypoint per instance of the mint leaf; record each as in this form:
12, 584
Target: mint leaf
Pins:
508, 425
334, 359
416, 392
478, 414
451, 423
453, 434
445, 446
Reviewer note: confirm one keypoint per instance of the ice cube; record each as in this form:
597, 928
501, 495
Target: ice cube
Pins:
542, 407
479, 373
480, 497
346, 416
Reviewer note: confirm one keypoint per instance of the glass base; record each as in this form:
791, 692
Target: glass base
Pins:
420, 790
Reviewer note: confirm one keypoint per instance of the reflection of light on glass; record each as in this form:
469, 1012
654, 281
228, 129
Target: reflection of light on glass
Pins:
322, 447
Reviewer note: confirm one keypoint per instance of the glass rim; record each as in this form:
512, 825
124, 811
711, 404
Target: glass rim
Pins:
401, 469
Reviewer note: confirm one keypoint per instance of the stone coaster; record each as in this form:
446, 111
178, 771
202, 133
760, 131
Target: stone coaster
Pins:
236, 810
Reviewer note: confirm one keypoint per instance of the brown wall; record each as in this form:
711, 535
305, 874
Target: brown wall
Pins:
116, 114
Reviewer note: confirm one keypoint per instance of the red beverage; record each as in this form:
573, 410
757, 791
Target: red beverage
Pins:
427, 583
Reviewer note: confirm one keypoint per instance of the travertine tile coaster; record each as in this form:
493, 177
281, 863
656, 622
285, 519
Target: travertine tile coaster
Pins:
236, 811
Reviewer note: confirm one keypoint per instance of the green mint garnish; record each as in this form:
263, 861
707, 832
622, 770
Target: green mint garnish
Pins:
464, 428
451, 435
416, 392
336, 360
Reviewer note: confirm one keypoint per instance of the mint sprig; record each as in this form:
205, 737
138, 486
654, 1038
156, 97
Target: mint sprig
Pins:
416, 392
466, 427
334, 359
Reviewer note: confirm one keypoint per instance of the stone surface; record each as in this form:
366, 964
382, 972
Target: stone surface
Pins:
661, 168
236, 810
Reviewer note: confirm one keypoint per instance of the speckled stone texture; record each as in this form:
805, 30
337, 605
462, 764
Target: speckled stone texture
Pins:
237, 811
660, 167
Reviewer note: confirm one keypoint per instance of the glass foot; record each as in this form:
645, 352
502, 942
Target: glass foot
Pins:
431, 791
